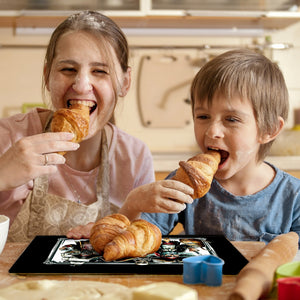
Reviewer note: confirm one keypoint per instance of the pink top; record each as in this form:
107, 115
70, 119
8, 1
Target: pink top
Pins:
129, 158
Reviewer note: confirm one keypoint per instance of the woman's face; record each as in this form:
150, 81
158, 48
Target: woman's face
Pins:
80, 73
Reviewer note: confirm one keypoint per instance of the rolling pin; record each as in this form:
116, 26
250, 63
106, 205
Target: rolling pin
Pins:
255, 280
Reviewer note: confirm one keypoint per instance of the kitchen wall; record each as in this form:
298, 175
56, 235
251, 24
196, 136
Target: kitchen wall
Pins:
169, 135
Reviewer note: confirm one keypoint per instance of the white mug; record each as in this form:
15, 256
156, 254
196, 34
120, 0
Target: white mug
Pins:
4, 226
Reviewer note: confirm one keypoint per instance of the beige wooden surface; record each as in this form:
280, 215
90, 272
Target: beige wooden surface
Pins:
13, 250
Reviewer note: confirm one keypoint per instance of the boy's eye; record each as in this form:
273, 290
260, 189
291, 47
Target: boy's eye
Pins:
202, 117
101, 71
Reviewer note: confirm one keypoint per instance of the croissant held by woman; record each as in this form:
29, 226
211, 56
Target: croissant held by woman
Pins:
75, 119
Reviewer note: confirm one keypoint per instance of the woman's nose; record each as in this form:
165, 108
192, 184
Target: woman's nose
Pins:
82, 84
215, 130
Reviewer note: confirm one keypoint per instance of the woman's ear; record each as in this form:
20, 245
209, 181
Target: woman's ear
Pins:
126, 83
265, 138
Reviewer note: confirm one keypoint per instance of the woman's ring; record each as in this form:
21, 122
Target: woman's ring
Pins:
46, 159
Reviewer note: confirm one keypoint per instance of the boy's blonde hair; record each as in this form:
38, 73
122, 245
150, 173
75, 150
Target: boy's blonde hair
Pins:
251, 76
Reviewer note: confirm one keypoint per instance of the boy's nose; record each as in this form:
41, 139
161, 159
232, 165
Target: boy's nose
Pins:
215, 130
82, 84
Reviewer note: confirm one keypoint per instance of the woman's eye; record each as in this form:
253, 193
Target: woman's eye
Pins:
232, 119
68, 70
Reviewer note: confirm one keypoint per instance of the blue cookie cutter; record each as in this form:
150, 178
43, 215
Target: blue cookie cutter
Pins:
206, 269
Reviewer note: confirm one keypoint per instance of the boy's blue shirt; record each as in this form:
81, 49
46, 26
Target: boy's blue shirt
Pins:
258, 217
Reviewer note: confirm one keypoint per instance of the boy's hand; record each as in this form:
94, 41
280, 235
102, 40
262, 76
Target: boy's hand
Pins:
165, 196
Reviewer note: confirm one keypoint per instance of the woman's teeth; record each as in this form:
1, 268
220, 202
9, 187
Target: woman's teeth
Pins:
83, 102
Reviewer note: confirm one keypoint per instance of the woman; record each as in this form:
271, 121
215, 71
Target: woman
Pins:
44, 192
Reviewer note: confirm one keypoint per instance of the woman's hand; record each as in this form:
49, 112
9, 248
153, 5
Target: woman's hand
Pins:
81, 231
165, 196
33, 156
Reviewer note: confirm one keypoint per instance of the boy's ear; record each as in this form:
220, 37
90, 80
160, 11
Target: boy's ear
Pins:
126, 83
267, 137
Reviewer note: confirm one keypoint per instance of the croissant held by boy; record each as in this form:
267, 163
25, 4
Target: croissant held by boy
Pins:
198, 172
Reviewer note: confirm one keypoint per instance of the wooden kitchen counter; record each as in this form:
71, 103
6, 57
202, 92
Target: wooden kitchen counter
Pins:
13, 250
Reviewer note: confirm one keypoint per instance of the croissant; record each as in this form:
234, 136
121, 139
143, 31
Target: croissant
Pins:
198, 172
139, 239
75, 120
105, 229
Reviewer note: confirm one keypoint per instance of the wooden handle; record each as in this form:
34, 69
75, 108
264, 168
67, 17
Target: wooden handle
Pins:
256, 278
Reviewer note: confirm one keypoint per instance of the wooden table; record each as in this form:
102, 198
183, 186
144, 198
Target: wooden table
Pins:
13, 250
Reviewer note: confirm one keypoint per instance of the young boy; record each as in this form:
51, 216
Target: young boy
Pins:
239, 104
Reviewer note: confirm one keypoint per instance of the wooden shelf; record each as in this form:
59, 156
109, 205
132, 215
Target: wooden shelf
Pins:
208, 22
211, 22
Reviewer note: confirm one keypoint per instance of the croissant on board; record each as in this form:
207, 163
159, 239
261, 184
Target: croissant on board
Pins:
75, 119
198, 172
139, 239
106, 229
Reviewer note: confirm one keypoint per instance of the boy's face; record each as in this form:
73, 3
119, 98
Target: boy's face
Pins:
230, 127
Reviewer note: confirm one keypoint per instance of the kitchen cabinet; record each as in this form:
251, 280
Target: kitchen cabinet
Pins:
266, 15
